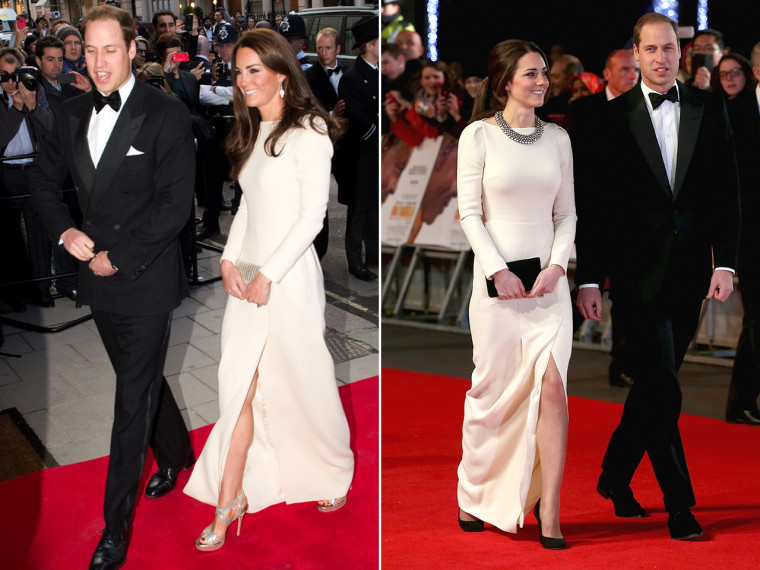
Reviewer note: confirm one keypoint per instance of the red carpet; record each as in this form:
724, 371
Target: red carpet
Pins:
422, 423
51, 518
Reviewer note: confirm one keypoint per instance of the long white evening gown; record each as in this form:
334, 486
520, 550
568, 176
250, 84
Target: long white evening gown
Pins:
300, 450
525, 194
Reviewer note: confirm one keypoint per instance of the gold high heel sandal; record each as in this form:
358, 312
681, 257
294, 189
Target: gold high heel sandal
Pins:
333, 505
213, 542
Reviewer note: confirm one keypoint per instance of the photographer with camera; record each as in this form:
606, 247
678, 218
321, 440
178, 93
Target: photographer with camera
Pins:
25, 119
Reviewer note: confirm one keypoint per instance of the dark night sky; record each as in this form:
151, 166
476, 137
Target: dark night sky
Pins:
468, 29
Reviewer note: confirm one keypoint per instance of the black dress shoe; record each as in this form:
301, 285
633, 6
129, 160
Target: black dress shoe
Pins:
618, 377
362, 272
470, 526
206, 232
683, 525
46, 299
745, 417
625, 505
164, 480
547, 541
225, 206
111, 552
73, 294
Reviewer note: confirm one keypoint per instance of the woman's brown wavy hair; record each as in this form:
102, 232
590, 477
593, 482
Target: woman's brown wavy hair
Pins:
300, 104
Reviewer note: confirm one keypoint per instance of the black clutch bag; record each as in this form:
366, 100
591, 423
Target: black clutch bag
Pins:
526, 269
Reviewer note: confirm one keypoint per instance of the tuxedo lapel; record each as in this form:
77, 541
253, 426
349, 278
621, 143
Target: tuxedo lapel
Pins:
688, 128
640, 123
124, 132
78, 123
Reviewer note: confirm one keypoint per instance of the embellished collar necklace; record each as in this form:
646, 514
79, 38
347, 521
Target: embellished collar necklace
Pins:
517, 137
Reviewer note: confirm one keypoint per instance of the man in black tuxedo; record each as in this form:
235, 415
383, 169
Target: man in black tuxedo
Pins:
654, 234
129, 149
359, 89
744, 389
324, 79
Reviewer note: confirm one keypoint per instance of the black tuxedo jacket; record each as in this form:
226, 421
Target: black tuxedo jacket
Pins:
359, 89
745, 122
321, 86
654, 243
134, 203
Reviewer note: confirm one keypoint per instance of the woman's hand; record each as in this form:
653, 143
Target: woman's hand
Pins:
546, 281
171, 66
233, 281
391, 109
508, 285
258, 290
452, 106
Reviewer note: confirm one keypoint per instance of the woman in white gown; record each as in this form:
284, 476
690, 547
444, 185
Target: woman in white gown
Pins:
282, 434
515, 191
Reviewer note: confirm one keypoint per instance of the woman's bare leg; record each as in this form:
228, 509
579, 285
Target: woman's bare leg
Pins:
551, 437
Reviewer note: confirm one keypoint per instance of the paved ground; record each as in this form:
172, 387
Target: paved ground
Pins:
63, 383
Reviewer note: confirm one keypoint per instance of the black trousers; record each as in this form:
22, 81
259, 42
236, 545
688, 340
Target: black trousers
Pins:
362, 228
145, 412
745, 379
656, 338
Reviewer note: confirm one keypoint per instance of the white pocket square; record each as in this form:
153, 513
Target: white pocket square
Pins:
134, 152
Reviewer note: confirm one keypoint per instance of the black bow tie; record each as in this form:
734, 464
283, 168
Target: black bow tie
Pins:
335, 70
114, 100
658, 99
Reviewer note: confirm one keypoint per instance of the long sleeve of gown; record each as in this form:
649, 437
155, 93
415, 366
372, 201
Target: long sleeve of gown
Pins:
312, 165
470, 164
563, 212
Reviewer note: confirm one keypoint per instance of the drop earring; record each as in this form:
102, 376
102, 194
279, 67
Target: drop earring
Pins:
282, 91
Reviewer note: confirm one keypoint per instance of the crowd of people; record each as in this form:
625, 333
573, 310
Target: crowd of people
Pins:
189, 59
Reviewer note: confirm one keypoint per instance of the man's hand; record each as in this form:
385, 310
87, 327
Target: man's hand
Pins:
339, 108
101, 266
702, 78
81, 82
28, 98
721, 285
197, 71
78, 244
589, 303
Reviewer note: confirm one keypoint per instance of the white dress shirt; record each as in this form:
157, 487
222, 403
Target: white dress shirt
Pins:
21, 143
665, 121
335, 77
101, 124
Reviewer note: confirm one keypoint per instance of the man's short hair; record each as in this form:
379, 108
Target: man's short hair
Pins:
652, 18
392, 50
710, 32
332, 32
7, 53
47, 42
106, 12
158, 14
755, 55
613, 54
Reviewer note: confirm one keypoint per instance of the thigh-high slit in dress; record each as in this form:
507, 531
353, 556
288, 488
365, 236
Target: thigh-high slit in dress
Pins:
515, 202
300, 450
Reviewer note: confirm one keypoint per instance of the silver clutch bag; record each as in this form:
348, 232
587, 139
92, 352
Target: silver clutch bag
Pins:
247, 270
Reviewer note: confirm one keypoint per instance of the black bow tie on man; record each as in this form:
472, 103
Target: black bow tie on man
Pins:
657, 99
114, 100
330, 71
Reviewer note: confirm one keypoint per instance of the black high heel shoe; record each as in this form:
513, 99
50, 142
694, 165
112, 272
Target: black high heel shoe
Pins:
546, 541
470, 526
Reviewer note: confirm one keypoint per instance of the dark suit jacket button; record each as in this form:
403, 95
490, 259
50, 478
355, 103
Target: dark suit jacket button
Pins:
88, 223
116, 226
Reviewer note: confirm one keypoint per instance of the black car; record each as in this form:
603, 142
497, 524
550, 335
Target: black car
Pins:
340, 18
